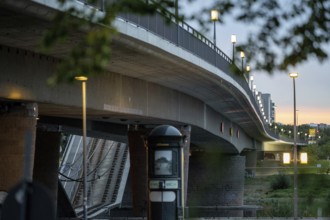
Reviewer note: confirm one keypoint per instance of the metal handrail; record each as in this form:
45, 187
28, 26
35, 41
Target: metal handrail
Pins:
203, 47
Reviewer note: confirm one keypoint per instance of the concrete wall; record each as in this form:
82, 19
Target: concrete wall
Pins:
24, 76
216, 180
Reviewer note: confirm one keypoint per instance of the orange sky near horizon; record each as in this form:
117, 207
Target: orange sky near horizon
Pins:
304, 115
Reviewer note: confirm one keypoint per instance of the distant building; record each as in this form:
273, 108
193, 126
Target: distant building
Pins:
272, 115
268, 108
313, 125
322, 126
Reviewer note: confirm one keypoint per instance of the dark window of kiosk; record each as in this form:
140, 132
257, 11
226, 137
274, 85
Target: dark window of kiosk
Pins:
163, 163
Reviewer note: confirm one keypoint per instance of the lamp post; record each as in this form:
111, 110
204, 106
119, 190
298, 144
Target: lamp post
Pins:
83, 80
242, 57
297, 110
233, 41
251, 80
248, 69
294, 75
214, 18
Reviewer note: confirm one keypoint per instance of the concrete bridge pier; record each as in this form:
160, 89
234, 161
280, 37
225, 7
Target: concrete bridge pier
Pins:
250, 163
138, 172
46, 160
216, 183
17, 119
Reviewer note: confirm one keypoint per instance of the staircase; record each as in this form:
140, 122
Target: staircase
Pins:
108, 168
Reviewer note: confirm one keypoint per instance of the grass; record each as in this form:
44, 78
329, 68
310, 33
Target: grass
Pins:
313, 193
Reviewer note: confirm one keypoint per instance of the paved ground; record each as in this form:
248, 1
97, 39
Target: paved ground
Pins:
220, 218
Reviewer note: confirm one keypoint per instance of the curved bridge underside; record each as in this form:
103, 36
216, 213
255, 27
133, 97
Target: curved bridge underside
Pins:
149, 81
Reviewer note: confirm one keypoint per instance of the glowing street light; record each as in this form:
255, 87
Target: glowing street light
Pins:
294, 75
251, 80
248, 69
242, 57
83, 80
233, 41
214, 18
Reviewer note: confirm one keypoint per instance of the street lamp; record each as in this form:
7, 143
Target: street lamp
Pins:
214, 18
251, 80
294, 75
242, 56
248, 69
83, 80
233, 41
297, 110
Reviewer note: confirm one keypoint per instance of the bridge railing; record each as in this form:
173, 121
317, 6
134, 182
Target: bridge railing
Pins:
290, 140
183, 35
177, 32
186, 37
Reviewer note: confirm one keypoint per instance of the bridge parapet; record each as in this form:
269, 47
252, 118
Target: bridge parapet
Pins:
185, 36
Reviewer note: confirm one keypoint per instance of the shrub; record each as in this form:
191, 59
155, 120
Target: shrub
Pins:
280, 182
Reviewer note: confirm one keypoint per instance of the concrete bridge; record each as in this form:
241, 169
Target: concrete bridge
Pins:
159, 74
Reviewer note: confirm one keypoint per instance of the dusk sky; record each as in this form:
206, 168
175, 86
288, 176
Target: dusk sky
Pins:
312, 85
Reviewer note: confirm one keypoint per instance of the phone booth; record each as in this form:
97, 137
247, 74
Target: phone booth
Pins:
164, 173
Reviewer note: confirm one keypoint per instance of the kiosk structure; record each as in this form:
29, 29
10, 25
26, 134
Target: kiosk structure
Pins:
165, 174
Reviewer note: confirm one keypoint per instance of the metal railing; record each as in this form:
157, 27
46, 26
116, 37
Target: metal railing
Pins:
184, 36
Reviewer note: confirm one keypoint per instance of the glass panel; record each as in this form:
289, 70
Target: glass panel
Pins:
163, 162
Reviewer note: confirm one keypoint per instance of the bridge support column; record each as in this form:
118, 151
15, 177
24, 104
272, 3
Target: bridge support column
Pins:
216, 182
16, 120
46, 160
250, 163
138, 170
185, 131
